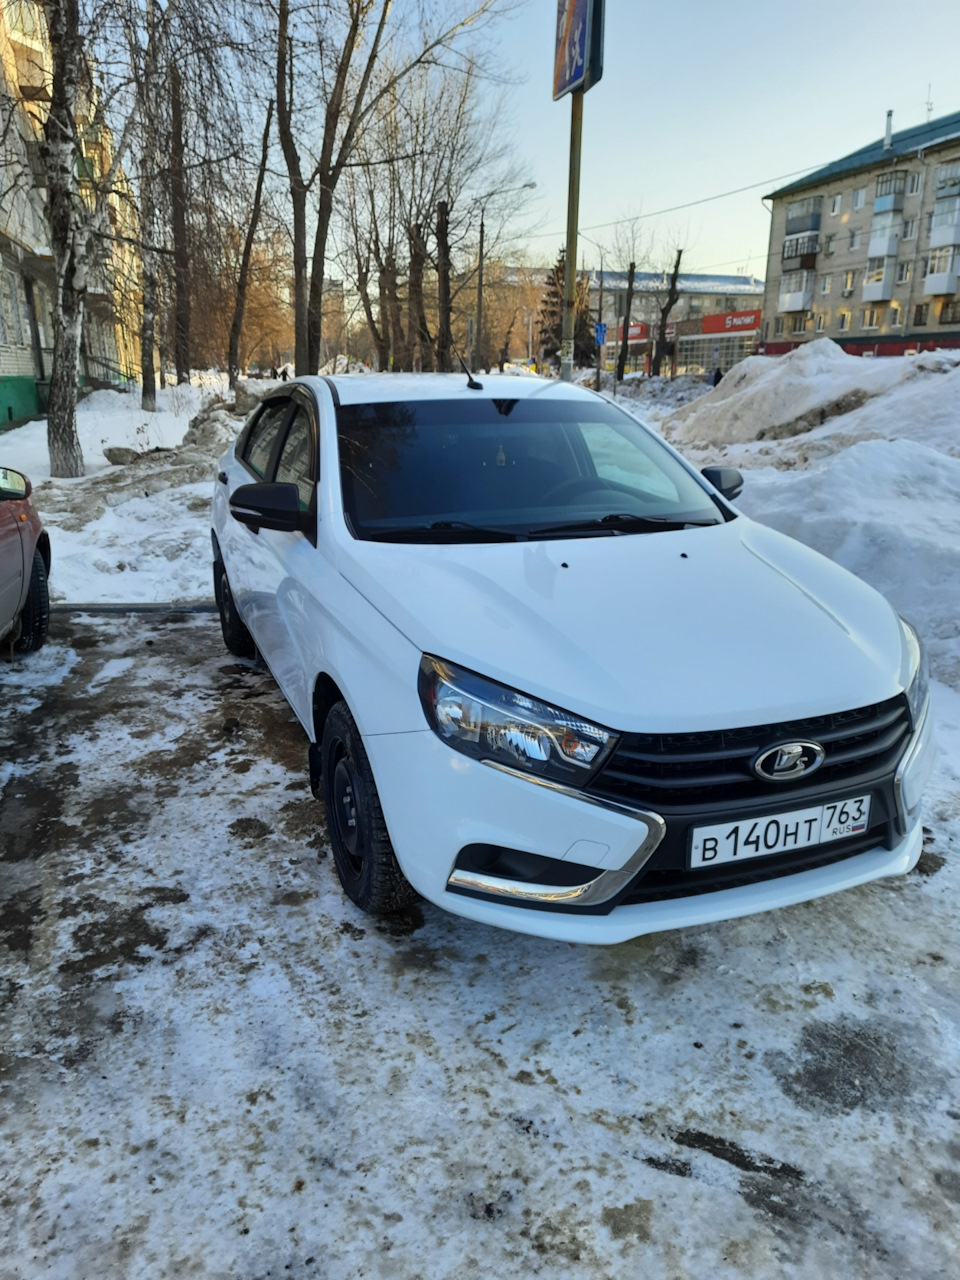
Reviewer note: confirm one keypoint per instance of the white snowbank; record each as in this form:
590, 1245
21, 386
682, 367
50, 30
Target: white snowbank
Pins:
890, 512
109, 418
765, 397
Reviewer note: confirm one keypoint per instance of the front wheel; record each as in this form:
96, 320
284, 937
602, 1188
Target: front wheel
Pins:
235, 635
364, 857
35, 618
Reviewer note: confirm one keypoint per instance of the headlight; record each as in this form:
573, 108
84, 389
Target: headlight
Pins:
490, 721
915, 677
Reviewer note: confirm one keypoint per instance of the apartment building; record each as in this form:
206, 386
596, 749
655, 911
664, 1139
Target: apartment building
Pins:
867, 249
110, 345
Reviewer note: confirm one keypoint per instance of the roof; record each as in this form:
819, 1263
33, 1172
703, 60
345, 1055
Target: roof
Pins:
905, 143
384, 388
687, 282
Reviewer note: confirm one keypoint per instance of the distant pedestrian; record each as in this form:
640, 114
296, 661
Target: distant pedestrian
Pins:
718, 374
273, 374
283, 374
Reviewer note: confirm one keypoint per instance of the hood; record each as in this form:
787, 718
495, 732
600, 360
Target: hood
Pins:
708, 628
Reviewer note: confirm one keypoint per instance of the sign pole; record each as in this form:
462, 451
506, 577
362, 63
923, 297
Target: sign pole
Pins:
570, 261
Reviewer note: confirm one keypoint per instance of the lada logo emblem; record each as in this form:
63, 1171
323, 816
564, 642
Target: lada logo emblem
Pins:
788, 760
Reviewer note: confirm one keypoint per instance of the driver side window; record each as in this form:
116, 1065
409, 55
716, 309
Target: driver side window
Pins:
296, 458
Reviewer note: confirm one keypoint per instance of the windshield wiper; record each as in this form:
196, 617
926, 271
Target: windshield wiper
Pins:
617, 521
456, 531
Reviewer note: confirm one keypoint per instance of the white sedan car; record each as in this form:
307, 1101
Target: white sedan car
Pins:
553, 680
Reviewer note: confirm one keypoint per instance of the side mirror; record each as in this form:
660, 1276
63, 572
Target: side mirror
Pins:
14, 485
726, 480
269, 506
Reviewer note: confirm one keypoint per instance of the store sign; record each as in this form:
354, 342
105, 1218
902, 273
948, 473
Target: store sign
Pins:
639, 332
732, 322
578, 59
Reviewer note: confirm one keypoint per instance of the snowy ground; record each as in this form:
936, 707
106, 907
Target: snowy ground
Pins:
210, 1063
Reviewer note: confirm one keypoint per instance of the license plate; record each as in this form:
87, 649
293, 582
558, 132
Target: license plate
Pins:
780, 833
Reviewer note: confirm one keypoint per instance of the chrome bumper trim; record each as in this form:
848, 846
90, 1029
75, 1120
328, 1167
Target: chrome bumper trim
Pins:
604, 886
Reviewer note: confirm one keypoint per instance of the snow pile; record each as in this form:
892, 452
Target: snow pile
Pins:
773, 397
343, 364
889, 511
138, 533
655, 399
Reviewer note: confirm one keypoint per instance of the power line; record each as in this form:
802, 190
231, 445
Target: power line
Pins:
690, 204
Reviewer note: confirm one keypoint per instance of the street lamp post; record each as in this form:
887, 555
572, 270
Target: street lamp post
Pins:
478, 336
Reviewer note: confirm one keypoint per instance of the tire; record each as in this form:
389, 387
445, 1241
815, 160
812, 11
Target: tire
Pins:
364, 857
235, 635
35, 618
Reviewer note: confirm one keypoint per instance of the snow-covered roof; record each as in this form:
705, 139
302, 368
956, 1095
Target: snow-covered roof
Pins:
905, 143
687, 282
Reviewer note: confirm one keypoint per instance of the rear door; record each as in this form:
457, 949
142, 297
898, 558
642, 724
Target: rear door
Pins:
247, 562
11, 565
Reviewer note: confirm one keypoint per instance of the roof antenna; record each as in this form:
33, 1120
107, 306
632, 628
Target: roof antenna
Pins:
472, 383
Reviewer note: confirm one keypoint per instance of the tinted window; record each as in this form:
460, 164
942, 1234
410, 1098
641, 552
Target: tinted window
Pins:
263, 437
513, 465
296, 458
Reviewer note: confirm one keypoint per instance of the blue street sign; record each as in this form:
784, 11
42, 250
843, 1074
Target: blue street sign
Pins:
578, 62
600, 333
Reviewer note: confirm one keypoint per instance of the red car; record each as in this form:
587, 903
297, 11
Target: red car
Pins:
24, 566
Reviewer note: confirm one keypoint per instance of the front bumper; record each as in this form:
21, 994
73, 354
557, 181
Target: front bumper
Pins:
437, 802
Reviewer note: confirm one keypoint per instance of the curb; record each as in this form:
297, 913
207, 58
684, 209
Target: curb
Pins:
62, 607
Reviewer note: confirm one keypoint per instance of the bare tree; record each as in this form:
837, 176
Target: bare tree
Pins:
666, 300
244, 272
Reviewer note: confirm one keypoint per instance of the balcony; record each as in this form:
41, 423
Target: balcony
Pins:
888, 203
804, 215
880, 290
883, 245
800, 253
945, 229
940, 282
890, 191
799, 300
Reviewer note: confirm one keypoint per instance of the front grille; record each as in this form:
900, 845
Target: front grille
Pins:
667, 771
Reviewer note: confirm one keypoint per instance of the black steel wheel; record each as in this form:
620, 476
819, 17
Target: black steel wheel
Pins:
364, 857
35, 618
235, 634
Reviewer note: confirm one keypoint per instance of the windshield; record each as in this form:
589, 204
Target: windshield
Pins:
486, 470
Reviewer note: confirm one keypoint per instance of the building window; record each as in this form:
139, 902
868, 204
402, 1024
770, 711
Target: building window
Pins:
835, 202
796, 281
858, 197
883, 223
854, 240
929, 222
799, 323
903, 272
803, 208
874, 271
830, 245
870, 318
843, 321
892, 184
947, 178
950, 312
821, 321
920, 313
910, 229
825, 285
940, 260
896, 316
778, 327
915, 183
849, 280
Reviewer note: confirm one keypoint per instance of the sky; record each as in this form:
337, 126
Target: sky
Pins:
704, 96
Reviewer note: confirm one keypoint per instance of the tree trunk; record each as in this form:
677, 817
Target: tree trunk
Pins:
318, 266
181, 257
386, 327
379, 339
419, 335
241, 299
672, 295
298, 189
68, 236
400, 340
444, 330
148, 327
625, 336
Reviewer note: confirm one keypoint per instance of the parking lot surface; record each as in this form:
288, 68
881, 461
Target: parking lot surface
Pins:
211, 1064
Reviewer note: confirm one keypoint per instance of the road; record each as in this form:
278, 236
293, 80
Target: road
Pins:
211, 1064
